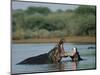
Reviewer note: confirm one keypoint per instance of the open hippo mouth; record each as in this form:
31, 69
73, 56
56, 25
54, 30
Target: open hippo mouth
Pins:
53, 56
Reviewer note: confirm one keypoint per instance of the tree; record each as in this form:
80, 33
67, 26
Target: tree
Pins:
41, 10
86, 10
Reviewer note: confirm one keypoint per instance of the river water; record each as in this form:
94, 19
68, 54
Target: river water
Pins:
23, 51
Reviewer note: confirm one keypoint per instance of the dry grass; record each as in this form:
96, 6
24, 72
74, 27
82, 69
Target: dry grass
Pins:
70, 39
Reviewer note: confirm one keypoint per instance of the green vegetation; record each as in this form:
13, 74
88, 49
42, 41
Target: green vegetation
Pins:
41, 22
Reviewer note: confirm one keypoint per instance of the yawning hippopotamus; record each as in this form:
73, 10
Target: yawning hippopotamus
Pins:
53, 56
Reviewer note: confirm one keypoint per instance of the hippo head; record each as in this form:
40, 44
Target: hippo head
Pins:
75, 55
55, 55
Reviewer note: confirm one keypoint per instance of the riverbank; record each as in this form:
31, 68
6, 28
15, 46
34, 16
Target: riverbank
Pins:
70, 39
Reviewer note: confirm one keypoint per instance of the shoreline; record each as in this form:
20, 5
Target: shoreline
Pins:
69, 39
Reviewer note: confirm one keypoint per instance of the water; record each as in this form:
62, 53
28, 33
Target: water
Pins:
23, 51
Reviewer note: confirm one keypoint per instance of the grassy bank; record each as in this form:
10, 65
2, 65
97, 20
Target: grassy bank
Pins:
70, 39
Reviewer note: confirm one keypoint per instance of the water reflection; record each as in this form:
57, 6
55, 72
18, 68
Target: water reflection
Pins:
74, 65
61, 66
65, 65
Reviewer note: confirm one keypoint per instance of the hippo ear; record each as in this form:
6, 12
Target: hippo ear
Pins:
61, 41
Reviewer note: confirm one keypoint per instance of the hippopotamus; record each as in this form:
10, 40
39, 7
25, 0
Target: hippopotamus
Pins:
75, 56
53, 56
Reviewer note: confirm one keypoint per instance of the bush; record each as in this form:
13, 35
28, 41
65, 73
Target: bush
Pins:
34, 23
